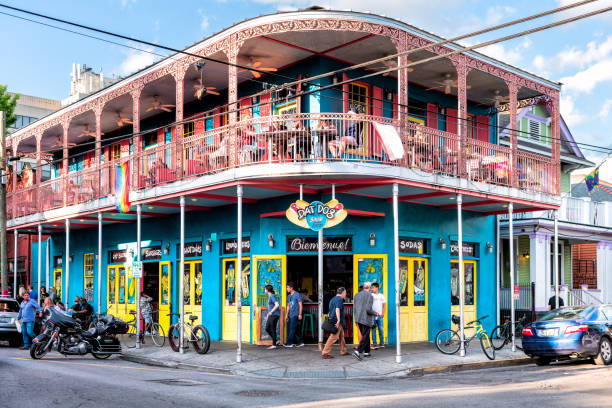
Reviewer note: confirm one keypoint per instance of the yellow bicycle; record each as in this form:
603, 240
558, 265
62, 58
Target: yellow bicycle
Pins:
449, 342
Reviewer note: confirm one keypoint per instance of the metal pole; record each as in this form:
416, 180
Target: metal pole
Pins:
320, 285
138, 238
556, 255
15, 292
3, 242
67, 277
461, 276
39, 258
47, 272
511, 236
398, 345
497, 270
181, 277
99, 262
301, 191
239, 277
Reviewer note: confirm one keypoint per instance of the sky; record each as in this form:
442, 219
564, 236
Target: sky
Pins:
579, 54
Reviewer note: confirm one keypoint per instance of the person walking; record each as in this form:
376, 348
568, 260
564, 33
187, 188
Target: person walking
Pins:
146, 311
27, 314
273, 315
363, 317
336, 309
294, 317
43, 295
378, 305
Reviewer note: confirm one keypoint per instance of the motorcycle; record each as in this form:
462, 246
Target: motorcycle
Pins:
66, 335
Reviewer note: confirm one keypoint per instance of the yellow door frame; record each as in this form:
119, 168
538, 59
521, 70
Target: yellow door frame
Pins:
282, 294
121, 284
111, 308
385, 289
163, 309
192, 306
472, 309
58, 290
410, 308
232, 308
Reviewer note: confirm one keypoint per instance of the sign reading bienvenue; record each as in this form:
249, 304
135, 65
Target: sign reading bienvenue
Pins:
311, 244
316, 215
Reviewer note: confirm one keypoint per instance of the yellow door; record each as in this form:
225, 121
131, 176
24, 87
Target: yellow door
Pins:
370, 268
132, 297
121, 293
112, 281
267, 270
413, 299
230, 319
469, 308
165, 293
192, 289
57, 283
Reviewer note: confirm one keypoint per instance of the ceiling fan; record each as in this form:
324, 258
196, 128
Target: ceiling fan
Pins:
200, 89
256, 64
87, 132
157, 105
498, 99
391, 63
121, 121
447, 84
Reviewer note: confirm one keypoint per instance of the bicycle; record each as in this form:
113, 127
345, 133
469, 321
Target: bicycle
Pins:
449, 342
156, 332
502, 334
198, 335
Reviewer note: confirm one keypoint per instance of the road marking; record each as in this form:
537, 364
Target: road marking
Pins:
161, 370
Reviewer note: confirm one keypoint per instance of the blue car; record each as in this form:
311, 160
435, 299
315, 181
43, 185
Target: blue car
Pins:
571, 332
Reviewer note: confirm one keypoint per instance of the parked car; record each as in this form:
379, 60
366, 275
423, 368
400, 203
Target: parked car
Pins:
9, 309
571, 332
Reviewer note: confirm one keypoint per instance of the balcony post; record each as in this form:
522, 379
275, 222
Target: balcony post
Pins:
462, 72
14, 176
232, 95
512, 281
179, 77
136, 139
98, 149
556, 142
239, 194
16, 237
512, 135
38, 173
461, 275
402, 85
39, 263
67, 275
66, 183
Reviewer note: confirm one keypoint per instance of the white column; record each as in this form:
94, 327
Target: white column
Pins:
604, 276
39, 257
398, 345
180, 276
320, 285
239, 277
556, 259
67, 277
512, 282
15, 288
47, 272
497, 269
99, 263
461, 275
138, 238
537, 268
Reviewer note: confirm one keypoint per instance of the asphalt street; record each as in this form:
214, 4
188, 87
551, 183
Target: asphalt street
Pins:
83, 381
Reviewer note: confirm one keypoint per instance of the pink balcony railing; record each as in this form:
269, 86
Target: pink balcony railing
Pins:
306, 138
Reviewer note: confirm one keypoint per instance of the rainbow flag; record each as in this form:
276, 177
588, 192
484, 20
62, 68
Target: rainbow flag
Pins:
592, 180
122, 187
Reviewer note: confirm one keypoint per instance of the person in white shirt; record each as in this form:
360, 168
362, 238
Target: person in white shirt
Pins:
378, 305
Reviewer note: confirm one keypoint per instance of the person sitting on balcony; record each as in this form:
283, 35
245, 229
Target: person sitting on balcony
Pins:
352, 136
323, 130
248, 149
218, 158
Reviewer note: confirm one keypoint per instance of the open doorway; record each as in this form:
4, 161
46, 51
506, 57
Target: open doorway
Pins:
150, 284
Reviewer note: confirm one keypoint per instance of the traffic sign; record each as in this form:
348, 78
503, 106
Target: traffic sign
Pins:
516, 295
137, 269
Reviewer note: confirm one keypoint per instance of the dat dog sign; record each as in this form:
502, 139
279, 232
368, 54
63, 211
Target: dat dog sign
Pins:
316, 215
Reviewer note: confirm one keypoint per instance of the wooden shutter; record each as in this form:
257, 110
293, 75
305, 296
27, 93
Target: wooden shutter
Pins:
432, 116
345, 94
265, 108
482, 128
394, 107
245, 113
377, 110
451, 120
198, 127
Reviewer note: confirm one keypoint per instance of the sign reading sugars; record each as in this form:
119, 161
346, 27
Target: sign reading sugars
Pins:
316, 215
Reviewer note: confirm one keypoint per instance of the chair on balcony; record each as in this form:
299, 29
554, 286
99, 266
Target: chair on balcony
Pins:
219, 158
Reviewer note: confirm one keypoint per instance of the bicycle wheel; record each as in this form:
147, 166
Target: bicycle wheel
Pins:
487, 346
448, 341
129, 338
200, 339
173, 337
499, 337
157, 335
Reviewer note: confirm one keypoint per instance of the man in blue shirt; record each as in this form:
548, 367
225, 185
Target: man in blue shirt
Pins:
27, 312
336, 309
294, 317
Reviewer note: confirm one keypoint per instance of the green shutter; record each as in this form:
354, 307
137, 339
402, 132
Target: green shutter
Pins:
523, 264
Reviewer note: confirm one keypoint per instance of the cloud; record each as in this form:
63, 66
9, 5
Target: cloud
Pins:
125, 3
597, 5
605, 109
511, 55
136, 60
205, 22
586, 80
570, 112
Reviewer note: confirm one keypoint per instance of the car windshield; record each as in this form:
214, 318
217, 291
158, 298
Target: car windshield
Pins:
9, 306
568, 313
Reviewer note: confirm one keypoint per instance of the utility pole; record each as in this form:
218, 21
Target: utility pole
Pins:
3, 243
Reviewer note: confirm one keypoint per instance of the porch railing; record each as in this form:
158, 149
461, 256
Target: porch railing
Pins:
312, 138
577, 297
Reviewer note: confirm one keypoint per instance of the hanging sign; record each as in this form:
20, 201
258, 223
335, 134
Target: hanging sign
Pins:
311, 244
316, 215
117, 256
230, 246
412, 245
190, 250
151, 254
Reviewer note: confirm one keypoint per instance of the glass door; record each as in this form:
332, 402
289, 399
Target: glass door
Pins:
192, 289
268, 270
368, 268
230, 319
469, 308
165, 293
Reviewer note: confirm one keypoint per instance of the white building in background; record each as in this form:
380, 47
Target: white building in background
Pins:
30, 108
84, 81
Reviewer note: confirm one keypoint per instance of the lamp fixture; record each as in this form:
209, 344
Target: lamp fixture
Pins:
336, 78
70, 258
271, 240
372, 239
388, 95
167, 248
442, 243
526, 255
490, 247
208, 245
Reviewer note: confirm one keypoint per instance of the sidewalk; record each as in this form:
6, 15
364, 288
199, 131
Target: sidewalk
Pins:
306, 362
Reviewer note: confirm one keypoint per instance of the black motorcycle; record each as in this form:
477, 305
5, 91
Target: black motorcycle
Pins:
69, 338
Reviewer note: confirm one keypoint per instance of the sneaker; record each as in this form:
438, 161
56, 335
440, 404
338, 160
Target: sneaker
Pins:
288, 345
367, 355
356, 355
299, 345
327, 356
271, 347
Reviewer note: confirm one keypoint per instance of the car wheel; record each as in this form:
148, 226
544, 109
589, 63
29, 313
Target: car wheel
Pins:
604, 357
541, 361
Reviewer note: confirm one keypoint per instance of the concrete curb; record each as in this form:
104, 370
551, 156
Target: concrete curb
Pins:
408, 373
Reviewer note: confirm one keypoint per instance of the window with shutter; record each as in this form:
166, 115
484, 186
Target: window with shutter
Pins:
534, 130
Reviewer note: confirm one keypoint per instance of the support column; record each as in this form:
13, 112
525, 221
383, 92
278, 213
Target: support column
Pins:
232, 95
398, 344
138, 279
100, 263
137, 164
67, 277
512, 135
180, 275
39, 258
47, 271
462, 72
402, 84
556, 259
239, 276
497, 270
512, 282
537, 268
16, 236
555, 127
65, 183
461, 275
179, 77
38, 175
320, 286
98, 149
